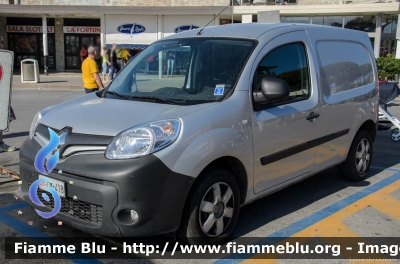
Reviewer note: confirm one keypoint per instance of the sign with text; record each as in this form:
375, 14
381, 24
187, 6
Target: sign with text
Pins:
28, 29
6, 73
177, 24
131, 29
185, 28
82, 30
127, 30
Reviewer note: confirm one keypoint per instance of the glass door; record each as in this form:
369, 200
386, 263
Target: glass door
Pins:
72, 49
388, 47
74, 44
51, 58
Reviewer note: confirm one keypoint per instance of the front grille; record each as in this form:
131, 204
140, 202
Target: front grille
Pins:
75, 208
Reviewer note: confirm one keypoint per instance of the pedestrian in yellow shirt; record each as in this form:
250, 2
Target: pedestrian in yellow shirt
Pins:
90, 71
125, 56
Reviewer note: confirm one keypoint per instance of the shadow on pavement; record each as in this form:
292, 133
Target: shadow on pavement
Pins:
18, 134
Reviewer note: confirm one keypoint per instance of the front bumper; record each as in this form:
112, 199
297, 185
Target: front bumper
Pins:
105, 191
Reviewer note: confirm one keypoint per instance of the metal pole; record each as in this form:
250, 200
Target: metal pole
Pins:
45, 43
397, 40
102, 31
378, 35
160, 54
160, 64
232, 11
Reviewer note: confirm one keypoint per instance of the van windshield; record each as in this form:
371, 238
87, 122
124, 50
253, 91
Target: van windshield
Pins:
183, 71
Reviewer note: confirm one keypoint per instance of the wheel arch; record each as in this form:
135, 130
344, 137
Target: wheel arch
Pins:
231, 164
371, 127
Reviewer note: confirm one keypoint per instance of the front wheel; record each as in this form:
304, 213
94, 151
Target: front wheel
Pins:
212, 209
359, 158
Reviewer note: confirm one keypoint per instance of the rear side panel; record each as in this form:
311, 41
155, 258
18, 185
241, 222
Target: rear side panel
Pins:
349, 90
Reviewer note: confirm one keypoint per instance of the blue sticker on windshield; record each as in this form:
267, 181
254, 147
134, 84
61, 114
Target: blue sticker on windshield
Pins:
219, 89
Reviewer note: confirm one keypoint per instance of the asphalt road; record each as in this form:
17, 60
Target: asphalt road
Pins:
281, 214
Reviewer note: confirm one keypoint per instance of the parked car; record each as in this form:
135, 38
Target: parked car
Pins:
258, 107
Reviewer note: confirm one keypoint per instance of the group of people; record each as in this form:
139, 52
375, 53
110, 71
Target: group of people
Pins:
114, 60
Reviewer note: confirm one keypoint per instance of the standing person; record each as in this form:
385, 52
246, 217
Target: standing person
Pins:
130, 54
90, 71
83, 54
171, 62
113, 61
125, 56
120, 59
106, 63
3, 146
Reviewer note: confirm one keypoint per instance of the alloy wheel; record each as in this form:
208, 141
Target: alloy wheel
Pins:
216, 209
363, 155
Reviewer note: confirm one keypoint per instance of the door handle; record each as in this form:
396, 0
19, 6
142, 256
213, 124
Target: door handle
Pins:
312, 116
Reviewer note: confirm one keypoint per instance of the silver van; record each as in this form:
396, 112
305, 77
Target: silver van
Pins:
249, 109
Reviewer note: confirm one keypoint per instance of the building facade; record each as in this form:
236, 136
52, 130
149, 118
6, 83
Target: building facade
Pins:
72, 25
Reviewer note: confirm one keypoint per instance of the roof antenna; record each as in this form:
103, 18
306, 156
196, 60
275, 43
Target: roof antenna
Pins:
199, 33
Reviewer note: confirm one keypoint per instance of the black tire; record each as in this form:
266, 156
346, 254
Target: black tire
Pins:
349, 169
193, 224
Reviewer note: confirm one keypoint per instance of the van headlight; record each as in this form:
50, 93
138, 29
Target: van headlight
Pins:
143, 140
36, 121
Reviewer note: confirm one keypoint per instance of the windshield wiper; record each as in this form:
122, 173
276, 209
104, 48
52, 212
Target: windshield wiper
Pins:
118, 95
169, 101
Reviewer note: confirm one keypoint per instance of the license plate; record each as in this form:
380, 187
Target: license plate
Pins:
57, 185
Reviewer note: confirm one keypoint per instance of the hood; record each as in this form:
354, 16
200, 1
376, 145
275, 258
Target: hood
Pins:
90, 114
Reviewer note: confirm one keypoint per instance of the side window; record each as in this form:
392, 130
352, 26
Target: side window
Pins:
343, 66
289, 63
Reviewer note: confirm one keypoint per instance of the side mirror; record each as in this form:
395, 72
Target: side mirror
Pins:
272, 89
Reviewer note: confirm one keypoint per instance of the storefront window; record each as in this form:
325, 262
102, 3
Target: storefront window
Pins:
363, 23
334, 21
389, 26
74, 43
77, 42
304, 20
394, 26
29, 46
26, 43
317, 20
388, 47
25, 39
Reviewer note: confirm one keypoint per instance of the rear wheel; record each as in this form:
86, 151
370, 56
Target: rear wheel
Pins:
212, 210
359, 158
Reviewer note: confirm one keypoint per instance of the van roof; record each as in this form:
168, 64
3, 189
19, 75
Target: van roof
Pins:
247, 30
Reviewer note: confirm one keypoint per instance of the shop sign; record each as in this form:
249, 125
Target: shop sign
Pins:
185, 28
28, 29
131, 29
82, 30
